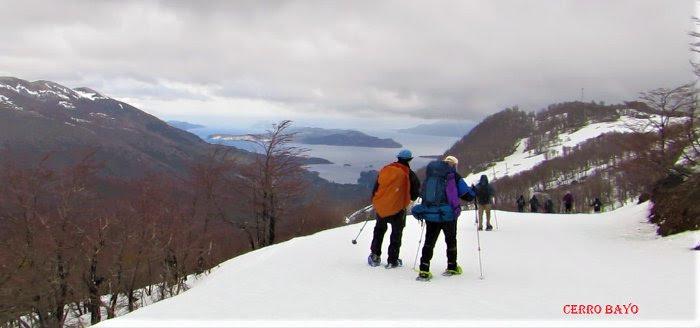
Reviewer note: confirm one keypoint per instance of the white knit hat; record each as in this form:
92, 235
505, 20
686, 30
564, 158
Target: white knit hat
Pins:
452, 160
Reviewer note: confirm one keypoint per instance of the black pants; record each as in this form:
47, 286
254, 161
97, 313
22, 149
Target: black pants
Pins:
521, 208
397, 221
568, 206
432, 231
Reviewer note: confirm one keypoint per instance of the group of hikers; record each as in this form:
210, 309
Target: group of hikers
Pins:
441, 194
548, 206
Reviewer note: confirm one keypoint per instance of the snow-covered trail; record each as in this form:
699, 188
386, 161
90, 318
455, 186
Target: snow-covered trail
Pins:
533, 266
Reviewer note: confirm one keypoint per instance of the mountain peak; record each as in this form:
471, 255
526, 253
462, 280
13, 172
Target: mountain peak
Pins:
48, 89
40, 114
89, 93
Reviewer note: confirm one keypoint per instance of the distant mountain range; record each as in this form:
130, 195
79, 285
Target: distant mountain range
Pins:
441, 129
185, 125
320, 136
42, 116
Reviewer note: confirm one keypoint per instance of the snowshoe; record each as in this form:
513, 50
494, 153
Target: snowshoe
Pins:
489, 227
398, 263
374, 260
456, 271
424, 276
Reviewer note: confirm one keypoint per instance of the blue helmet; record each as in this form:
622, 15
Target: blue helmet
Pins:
404, 154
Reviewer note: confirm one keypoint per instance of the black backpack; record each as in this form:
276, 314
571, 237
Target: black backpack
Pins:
482, 193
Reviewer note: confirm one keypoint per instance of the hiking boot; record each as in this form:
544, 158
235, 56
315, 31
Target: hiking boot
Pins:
396, 264
489, 227
424, 276
481, 228
374, 260
453, 272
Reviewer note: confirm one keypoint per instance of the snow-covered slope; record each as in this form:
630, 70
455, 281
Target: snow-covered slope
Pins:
534, 265
521, 160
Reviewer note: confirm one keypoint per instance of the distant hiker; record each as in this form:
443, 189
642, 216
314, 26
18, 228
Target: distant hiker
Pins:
597, 204
568, 202
396, 186
484, 198
549, 206
440, 207
534, 204
521, 203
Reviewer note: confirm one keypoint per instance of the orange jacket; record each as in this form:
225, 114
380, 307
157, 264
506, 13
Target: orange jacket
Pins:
394, 191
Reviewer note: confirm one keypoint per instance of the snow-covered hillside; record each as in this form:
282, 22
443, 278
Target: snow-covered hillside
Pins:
534, 266
522, 160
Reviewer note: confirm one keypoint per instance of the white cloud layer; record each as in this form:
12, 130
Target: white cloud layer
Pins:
357, 59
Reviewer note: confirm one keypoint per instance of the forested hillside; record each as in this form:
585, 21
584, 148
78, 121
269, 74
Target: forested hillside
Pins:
616, 153
493, 139
99, 198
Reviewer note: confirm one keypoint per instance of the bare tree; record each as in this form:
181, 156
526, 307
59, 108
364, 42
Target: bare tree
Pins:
692, 152
278, 176
214, 193
667, 105
695, 46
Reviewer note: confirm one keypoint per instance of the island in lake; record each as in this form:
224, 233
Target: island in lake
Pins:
320, 136
314, 160
184, 125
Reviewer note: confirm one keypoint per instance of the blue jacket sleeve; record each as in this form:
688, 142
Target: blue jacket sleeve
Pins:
463, 188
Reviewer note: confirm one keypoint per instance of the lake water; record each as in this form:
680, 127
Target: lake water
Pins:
348, 162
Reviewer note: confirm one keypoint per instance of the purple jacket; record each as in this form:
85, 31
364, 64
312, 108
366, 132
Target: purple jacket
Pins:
453, 194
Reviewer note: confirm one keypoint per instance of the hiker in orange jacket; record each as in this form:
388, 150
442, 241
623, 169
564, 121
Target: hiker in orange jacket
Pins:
397, 185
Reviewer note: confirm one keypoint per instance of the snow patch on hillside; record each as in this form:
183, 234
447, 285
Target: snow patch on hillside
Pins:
67, 105
19, 89
101, 115
9, 103
534, 265
88, 95
80, 120
47, 93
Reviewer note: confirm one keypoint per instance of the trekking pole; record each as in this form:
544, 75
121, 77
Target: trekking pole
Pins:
420, 241
354, 241
350, 218
495, 217
478, 245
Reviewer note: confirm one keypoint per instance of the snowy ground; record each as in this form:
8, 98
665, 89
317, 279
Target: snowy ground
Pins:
534, 265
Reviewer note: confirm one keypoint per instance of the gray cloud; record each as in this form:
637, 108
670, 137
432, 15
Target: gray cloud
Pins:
446, 59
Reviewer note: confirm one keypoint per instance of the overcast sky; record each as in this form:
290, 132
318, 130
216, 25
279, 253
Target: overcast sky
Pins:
355, 62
